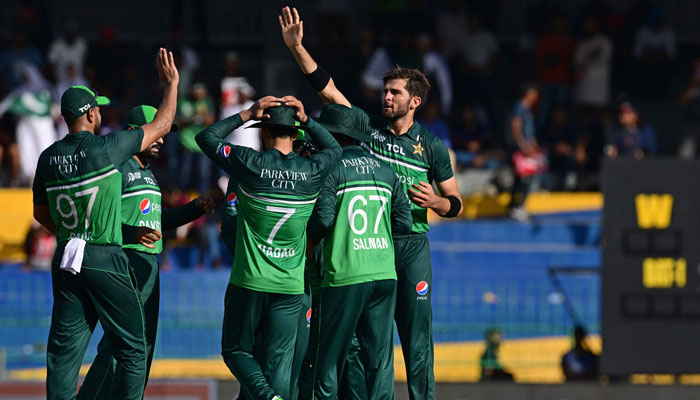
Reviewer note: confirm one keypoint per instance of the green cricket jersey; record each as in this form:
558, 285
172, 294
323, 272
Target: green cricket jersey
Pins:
142, 206
415, 156
78, 179
361, 204
228, 222
276, 193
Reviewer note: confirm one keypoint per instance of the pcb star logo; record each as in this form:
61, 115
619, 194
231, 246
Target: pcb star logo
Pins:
418, 149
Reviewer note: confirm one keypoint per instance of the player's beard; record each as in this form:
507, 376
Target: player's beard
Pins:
401, 111
148, 154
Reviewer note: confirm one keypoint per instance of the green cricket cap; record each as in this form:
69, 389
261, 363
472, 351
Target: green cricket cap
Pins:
142, 115
337, 118
78, 100
281, 118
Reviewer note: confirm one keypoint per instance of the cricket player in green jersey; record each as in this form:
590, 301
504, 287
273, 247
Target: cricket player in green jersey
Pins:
276, 193
418, 158
361, 204
143, 219
77, 196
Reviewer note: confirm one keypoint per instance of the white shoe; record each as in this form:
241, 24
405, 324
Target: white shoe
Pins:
519, 214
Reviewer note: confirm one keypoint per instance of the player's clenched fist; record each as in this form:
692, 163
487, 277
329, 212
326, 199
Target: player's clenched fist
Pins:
167, 71
292, 27
206, 203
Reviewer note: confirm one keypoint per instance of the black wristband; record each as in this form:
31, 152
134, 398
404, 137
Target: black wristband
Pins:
319, 78
455, 205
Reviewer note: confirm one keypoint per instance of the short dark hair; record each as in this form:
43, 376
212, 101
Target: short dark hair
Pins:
417, 84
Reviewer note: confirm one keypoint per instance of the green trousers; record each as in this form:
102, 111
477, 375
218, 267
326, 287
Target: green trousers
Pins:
301, 345
414, 314
102, 291
144, 270
258, 339
353, 385
362, 310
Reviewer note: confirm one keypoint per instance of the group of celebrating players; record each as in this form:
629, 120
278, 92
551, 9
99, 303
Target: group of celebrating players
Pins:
331, 215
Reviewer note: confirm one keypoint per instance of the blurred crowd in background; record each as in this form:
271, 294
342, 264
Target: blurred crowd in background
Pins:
544, 108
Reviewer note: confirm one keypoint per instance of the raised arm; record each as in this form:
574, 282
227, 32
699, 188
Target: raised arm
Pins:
160, 126
292, 33
211, 139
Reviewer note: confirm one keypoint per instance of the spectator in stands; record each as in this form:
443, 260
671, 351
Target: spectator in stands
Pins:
436, 69
525, 150
451, 29
654, 50
244, 136
477, 56
30, 103
187, 60
432, 121
632, 139
579, 363
690, 99
491, 368
39, 246
14, 58
67, 56
194, 113
370, 61
471, 137
559, 140
553, 56
592, 59
69, 77
109, 77
9, 152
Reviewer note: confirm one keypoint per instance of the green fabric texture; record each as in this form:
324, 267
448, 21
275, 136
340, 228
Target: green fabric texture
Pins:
98, 381
258, 339
341, 312
353, 385
103, 291
275, 194
415, 156
76, 177
359, 204
414, 316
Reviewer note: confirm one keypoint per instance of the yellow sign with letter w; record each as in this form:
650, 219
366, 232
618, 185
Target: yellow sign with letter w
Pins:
654, 210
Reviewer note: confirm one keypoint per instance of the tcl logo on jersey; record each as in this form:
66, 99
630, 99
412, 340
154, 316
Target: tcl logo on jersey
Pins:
225, 151
145, 206
422, 288
395, 148
231, 199
308, 316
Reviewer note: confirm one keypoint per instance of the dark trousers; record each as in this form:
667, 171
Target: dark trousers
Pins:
343, 312
258, 339
103, 291
144, 270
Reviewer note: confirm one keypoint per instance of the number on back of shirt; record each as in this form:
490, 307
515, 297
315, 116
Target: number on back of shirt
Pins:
67, 209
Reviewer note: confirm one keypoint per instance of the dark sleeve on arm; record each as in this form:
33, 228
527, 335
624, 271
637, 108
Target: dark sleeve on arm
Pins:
401, 219
129, 234
122, 145
176, 217
323, 217
39, 196
330, 149
440, 165
211, 141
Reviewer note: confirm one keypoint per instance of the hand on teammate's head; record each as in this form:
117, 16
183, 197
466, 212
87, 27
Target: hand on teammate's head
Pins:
167, 71
292, 27
297, 105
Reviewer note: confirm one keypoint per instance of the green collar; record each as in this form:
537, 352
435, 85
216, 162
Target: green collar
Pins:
413, 132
